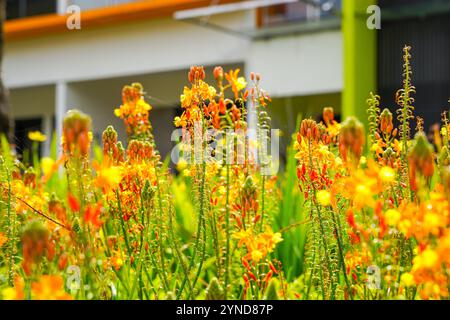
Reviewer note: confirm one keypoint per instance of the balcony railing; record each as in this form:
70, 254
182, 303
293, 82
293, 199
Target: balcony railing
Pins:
303, 10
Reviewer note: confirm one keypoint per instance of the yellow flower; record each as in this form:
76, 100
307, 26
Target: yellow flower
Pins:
432, 222
9, 294
404, 226
363, 196
324, 197
429, 258
387, 175
3, 239
392, 217
407, 279
49, 288
362, 161
47, 165
374, 147
181, 164
109, 177
241, 83
37, 136
256, 255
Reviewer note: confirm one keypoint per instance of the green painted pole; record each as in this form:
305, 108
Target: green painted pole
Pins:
360, 57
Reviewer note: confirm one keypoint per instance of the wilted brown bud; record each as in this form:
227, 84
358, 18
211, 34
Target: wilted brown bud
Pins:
309, 130
351, 139
421, 158
386, 125
196, 73
328, 115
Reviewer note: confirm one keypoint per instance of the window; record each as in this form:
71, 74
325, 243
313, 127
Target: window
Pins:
25, 8
303, 10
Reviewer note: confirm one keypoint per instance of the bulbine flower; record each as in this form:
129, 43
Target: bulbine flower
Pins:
37, 136
386, 125
309, 130
134, 111
76, 134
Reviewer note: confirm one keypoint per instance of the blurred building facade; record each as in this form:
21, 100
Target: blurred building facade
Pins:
297, 46
50, 69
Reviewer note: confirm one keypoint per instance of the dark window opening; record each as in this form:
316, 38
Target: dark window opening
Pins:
23, 143
25, 8
430, 49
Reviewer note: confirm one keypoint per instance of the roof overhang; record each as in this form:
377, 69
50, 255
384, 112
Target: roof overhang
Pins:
140, 10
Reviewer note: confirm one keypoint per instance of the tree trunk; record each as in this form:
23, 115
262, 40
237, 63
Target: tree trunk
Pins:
6, 121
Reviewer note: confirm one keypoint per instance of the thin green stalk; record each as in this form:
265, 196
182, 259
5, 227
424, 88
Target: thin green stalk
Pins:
341, 254
227, 230
122, 224
10, 234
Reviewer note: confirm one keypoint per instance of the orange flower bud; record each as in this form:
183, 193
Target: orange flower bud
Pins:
386, 125
76, 128
218, 73
196, 73
421, 158
309, 130
328, 115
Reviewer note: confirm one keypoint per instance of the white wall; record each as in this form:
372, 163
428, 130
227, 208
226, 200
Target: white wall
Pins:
121, 50
300, 64
290, 66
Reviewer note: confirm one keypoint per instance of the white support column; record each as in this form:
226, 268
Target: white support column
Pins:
47, 128
62, 5
60, 110
251, 111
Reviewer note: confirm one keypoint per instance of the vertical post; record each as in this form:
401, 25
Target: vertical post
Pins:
60, 110
359, 58
47, 128
61, 6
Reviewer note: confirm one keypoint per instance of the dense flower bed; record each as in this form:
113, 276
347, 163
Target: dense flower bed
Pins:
355, 215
